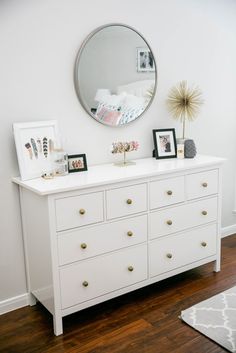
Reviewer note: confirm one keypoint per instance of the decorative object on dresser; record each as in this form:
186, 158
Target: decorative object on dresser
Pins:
184, 104
124, 147
115, 99
77, 163
115, 230
60, 162
34, 145
165, 143
180, 150
190, 150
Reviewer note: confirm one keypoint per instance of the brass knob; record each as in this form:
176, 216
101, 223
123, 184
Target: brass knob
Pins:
129, 233
130, 268
129, 201
82, 211
204, 244
85, 284
169, 222
204, 213
204, 185
169, 256
83, 246
169, 192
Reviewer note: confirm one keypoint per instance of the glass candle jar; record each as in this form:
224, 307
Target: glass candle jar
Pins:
60, 162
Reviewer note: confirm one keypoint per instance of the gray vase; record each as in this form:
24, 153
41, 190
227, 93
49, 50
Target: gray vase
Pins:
190, 150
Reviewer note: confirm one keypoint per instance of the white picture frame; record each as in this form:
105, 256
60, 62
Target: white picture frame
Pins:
34, 143
145, 60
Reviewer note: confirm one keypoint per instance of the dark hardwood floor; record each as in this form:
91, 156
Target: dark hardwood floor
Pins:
144, 321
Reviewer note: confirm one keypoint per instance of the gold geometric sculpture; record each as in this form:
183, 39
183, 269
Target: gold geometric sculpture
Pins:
184, 102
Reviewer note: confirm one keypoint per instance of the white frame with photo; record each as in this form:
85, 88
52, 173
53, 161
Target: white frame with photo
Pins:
33, 160
165, 143
147, 67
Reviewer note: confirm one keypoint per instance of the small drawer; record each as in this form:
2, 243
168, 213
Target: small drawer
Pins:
126, 201
175, 219
80, 244
77, 211
167, 254
166, 192
101, 275
202, 184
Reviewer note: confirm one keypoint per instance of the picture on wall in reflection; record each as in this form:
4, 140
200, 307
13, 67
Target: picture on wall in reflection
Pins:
145, 60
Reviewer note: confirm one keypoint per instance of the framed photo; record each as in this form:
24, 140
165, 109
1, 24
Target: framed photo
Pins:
145, 60
34, 144
77, 163
165, 143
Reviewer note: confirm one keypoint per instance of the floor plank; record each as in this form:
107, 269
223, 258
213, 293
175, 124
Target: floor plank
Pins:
144, 321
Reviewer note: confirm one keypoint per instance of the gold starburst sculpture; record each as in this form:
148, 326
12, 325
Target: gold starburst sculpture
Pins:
184, 102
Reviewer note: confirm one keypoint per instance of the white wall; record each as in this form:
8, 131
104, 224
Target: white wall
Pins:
191, 39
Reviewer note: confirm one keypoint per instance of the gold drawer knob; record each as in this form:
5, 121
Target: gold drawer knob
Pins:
129, 233
169, 192
130, 268
129, 201
204, 244
85, 284
83, 246
204, 213
169, 222
169, 256
82, 211
205, 185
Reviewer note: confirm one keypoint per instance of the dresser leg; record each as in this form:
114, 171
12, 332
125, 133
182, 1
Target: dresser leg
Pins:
32, 299
217, 266
57, 325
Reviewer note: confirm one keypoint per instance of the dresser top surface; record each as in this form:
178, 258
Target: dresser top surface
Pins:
109, 173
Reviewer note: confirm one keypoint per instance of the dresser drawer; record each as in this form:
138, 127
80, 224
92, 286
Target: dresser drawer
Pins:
201, 184
175, 219
166, 192
94, 277
167, 254
77, 211
80, 244
127, 200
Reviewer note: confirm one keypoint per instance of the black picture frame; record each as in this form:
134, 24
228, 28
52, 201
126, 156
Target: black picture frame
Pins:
77, 163
164, 143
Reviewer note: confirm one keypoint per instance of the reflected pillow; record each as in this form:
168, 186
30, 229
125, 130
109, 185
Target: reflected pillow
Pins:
137, 88
134, 102
112, 117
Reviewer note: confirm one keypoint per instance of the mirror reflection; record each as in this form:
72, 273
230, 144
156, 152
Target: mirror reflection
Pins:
115, 75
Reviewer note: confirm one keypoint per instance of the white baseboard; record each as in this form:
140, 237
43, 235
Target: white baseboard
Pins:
14, 303
226, 231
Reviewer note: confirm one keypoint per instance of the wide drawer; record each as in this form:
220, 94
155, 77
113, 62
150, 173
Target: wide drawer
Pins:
94, 277
167, 254
166, 192
77, 211
126, 200
80, 244
201, 184
175, 219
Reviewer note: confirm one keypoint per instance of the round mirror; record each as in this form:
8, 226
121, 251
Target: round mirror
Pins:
115, 75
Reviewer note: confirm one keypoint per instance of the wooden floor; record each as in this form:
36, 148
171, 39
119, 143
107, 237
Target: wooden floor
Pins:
144, 321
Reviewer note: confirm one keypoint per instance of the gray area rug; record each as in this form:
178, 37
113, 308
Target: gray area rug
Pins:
215, 318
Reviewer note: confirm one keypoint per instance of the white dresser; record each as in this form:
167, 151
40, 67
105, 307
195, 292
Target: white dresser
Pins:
95, 235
